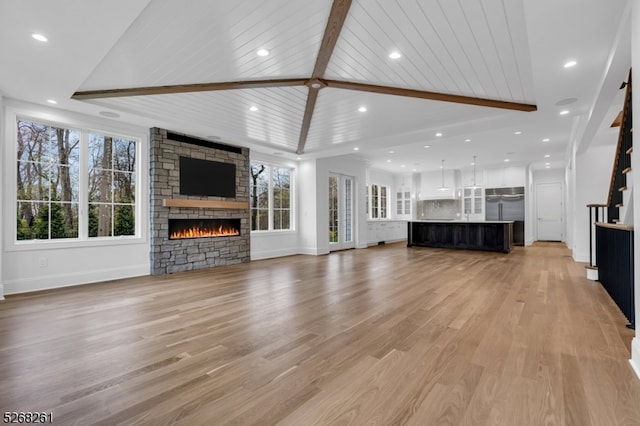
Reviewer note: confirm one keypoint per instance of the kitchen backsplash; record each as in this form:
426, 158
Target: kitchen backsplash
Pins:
439, 209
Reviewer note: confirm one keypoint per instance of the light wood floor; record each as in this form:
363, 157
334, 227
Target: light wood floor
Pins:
386, 336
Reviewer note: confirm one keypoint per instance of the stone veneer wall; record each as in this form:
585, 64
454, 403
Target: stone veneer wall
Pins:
169, 256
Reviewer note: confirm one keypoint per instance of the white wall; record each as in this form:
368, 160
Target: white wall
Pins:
635, 165
2, 228
593, 177
33, 265
308, 212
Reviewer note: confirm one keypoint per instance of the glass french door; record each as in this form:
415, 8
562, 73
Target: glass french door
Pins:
341, 194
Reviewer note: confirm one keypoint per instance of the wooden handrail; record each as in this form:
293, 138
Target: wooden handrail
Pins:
618, 154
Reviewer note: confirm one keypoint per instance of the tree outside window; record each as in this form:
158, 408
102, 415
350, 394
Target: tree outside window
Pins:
50, 174
47, 181
270, 189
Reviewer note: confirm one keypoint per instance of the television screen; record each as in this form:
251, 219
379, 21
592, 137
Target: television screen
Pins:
202, 177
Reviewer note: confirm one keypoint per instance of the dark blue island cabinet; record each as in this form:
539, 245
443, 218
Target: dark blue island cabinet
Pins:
466, 235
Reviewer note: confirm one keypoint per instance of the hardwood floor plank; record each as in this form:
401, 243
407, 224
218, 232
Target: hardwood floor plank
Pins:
386, 335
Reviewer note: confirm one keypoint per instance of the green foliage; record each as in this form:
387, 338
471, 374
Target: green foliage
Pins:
23, 232
41, 228
93, 220
125, 223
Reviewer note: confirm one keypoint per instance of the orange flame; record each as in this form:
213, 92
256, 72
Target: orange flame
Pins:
198, 232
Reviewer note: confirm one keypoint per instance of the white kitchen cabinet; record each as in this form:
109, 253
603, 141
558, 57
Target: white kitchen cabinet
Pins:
502, 177
386, 230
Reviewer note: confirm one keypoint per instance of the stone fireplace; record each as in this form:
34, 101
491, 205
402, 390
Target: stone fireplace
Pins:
196, 232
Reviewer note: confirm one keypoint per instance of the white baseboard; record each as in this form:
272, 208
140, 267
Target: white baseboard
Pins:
580, 257
635, 355
27, 285
268, 254
1, 291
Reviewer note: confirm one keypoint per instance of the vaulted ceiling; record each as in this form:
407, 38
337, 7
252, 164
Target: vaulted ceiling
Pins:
472, 70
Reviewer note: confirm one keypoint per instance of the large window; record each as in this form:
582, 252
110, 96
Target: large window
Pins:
54, 163
270, 189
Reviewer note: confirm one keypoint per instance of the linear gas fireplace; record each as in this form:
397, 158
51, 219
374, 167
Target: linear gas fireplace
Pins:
203, 228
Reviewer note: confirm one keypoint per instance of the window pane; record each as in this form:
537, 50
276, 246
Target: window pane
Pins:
100, 185
124, 220
47, 171
101, 220
33, 181
124, 155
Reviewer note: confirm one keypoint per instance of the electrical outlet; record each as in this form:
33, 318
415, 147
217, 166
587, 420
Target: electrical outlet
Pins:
42, 262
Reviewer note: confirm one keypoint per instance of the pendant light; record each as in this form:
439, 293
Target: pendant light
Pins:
443, 188
475, 185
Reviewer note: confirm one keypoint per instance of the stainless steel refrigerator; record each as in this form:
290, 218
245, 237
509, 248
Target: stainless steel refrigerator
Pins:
507, 204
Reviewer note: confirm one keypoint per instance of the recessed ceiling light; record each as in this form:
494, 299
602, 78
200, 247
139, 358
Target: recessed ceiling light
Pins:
506, 160
263, 52
392, 152
39, 37
547, 164
388, 161
467, 140
564, 112
519, 132
570, 64
362, 109
395, 55
547, 155
472, 164
253, 108
356, 149
427, 146
546, 140
438, 134
402, 165
52, 101
415, 170
298, 158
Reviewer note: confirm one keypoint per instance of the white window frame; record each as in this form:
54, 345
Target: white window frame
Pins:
85, 125
292, 200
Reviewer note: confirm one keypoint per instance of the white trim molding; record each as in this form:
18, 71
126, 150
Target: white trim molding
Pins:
635, 355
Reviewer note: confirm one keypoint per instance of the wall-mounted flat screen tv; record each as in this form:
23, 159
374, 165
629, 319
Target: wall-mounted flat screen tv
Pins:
202, 177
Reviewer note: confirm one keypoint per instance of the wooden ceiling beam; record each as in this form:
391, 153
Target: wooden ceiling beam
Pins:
434, 96
337, 16
188, 88
312, 97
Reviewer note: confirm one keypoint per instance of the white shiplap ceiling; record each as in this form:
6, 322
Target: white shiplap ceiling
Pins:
508, 50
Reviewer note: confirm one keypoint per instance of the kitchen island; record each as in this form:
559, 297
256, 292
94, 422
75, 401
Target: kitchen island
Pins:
458, 234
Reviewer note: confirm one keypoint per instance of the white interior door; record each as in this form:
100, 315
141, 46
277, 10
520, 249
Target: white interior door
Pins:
341, 194
549, 212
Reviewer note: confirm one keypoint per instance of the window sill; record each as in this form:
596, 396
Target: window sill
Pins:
71, 243
273, 233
